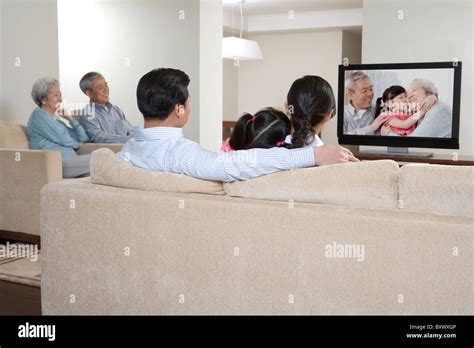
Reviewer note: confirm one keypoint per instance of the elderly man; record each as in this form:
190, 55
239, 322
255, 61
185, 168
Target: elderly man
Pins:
103, 121
359, 112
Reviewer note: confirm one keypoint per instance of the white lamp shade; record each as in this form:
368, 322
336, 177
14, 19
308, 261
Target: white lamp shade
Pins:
242, 49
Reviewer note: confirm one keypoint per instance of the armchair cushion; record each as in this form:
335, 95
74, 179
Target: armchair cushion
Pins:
87, 148
13, 136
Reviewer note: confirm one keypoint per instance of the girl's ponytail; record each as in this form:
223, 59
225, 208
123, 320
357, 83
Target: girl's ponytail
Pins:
266, 129
239, 137
378, 106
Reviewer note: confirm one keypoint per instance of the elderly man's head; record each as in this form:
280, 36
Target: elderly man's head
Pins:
359, 89
95, 87
420, 89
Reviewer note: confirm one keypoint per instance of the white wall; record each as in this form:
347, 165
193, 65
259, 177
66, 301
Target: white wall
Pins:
434, 30
231, 90
288, 56
29, 50
210, 60
230, 74
352, 46
124, 39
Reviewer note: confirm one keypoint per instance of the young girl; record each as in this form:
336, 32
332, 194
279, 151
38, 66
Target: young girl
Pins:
310, 103
266, 129
394, 103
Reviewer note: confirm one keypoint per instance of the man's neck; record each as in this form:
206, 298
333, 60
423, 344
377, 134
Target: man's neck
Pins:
95, 102
359, 107
160, 123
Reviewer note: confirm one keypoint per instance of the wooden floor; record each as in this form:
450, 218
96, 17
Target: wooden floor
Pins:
18, 299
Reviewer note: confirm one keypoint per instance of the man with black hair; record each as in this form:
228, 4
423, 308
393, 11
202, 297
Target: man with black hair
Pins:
163, 100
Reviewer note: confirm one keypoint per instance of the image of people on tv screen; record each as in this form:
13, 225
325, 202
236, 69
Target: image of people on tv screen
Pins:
377, 103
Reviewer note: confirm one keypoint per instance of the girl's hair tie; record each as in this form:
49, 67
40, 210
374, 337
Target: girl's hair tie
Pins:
251, 119
280, 143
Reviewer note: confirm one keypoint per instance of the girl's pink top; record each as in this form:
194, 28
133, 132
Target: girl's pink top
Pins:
400, 131
226, 146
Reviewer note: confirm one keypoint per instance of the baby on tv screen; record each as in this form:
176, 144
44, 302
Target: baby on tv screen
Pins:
400, 100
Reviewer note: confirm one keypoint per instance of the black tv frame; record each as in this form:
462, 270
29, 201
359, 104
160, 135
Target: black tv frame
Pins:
405, 142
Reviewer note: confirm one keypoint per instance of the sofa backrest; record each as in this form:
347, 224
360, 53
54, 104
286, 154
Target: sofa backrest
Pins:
437, 189
13, 136
369, 184
108, 169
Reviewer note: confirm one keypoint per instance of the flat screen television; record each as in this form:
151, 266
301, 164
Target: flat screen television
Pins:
400, 105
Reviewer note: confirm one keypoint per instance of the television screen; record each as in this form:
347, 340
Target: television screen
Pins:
400, 105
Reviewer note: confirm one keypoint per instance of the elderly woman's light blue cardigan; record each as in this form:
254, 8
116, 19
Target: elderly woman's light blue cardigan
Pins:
47, 133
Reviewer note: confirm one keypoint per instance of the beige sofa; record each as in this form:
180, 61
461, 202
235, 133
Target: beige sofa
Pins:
358, 238
23, 172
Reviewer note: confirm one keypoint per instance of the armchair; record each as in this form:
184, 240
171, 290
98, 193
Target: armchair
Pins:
23, 172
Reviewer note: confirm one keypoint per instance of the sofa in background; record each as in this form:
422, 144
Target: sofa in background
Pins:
355, 238
23, 172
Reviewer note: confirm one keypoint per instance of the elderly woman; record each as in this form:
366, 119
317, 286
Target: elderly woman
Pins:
437, 120
46, 131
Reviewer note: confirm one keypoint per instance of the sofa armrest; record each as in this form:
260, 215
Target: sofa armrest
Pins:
23, 173
87, 148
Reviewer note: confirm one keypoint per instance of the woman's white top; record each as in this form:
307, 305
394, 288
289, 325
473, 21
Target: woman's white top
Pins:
315, 143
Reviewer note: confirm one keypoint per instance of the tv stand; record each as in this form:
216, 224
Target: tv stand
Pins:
400, 158
396, 152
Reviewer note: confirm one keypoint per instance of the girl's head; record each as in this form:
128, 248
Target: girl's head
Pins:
266, 129
393, 98
311, 103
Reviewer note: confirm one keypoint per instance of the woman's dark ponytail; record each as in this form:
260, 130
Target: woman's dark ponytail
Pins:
309, 100
303, 132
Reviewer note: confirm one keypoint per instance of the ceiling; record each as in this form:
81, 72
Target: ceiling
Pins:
261, 7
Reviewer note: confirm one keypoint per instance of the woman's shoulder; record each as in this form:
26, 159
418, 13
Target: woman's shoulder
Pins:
315, 143
440, 108
38, 112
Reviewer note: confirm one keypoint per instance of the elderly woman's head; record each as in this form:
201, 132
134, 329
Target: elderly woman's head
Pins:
46, 94
420, 89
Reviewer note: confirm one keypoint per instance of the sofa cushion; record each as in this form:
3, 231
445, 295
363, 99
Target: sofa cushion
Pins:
13, 136
108, 169
437, 188
372, 184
